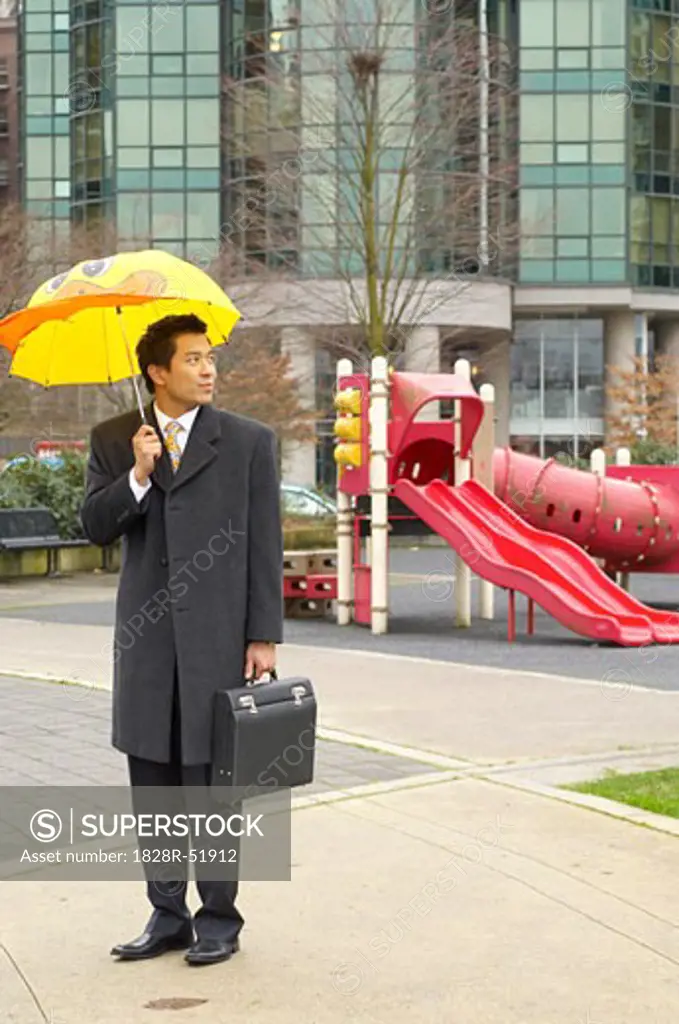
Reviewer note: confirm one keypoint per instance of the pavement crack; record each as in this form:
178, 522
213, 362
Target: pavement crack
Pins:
26, 982
551, 897
531, 859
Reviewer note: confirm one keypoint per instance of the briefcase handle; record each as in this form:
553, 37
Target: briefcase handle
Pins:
252, 682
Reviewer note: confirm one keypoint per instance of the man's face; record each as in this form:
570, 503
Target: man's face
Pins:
190, 379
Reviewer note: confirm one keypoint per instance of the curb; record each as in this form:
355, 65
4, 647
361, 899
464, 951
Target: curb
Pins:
600, 804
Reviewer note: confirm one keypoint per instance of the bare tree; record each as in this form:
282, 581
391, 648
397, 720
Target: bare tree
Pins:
24, 257
254, 380
370, 167
32, 251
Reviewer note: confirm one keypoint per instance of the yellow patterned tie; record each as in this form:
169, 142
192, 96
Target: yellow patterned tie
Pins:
172, 445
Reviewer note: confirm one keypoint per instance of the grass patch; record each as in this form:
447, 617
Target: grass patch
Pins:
651, 791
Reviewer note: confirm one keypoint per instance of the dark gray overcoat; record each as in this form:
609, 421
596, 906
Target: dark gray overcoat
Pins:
201, 576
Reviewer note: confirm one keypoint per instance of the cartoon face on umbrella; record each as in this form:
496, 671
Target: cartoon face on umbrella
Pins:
109, 275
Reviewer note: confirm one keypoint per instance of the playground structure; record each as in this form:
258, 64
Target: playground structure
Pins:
521, 523
309, 583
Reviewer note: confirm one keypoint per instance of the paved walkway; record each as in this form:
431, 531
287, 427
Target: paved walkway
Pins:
421, 613
439, 876
53, 735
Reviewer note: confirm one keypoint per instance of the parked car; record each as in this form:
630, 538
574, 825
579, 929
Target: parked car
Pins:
53, 461
298, 501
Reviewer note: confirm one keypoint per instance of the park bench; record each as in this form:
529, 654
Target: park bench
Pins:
34, 529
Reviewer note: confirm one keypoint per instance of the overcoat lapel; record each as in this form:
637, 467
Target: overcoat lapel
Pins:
199, 452
200, 448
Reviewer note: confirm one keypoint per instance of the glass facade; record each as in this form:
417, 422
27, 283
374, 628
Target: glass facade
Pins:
573, 114
167, 124
125, 116
557, 392
121, 118
296, 136
91, 106
654, 84
45, 113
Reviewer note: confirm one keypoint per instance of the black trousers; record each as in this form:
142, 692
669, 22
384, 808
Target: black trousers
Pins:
166, 886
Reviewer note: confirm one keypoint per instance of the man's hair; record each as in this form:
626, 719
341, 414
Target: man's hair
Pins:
159, 342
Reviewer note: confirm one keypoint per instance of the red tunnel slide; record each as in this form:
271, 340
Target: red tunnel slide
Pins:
629, 523
501, 547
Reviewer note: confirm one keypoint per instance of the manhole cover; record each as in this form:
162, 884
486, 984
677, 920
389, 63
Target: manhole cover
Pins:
174, 1003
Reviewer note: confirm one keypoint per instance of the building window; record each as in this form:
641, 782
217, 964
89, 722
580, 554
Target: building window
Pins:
573, 141
537, 23
557, 398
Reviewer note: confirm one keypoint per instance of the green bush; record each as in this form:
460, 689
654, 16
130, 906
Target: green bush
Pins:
34, 484
648, 452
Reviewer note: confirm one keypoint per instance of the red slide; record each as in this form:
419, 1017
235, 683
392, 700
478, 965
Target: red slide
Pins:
499, 546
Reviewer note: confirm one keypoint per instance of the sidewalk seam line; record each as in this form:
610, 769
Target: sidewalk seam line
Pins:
369, 789
442, 762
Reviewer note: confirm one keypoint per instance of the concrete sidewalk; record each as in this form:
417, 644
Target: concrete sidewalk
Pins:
457, 902
482, 715
460, 900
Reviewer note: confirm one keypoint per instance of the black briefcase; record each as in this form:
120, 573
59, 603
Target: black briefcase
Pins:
264, 734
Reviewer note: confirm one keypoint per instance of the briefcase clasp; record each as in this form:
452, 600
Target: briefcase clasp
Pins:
248, 701
298, 692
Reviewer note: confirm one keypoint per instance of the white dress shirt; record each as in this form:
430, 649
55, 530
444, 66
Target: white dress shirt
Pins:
186, 420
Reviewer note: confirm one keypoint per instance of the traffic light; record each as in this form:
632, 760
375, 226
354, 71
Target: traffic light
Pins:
349, 428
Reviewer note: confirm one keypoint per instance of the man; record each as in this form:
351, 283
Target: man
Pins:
199, 605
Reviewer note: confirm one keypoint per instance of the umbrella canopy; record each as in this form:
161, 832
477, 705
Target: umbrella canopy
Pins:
82, 326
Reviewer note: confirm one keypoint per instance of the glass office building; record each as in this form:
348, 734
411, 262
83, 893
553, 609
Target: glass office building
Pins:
654, 144
292, 119
121, 117
572, 61
599, 177
44, 111
167, 123
599, 83
130, 115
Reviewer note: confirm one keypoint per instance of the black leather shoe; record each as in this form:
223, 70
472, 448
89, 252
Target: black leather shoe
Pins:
211, 951
149, 945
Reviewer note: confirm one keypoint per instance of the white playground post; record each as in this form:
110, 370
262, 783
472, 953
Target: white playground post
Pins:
345, 535
597, 462
463, 576
623, 457
597, 466
484, 474
379, 531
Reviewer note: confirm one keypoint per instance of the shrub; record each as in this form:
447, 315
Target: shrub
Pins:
34, 484
649, 452
62, 490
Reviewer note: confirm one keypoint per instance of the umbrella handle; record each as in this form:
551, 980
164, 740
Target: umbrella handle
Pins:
135, 383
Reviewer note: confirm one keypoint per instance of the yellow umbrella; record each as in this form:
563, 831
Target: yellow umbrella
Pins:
82, 326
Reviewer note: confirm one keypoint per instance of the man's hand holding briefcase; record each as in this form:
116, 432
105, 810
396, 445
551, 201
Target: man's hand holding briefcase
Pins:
265, 734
